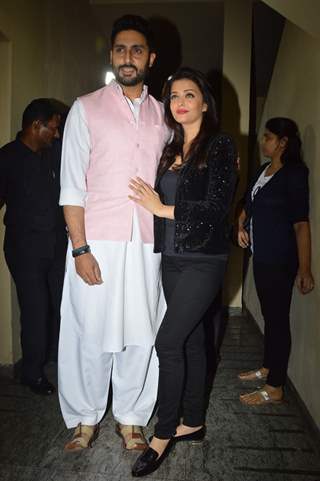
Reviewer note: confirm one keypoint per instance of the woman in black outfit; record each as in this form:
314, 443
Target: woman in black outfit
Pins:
275, 222
191, 202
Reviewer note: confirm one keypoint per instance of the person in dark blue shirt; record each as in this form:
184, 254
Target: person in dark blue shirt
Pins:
35, 236
275, 224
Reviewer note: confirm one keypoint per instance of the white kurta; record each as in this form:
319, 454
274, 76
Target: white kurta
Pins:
127, 308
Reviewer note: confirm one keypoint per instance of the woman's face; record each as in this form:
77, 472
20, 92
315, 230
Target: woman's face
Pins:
271, 145
186, 102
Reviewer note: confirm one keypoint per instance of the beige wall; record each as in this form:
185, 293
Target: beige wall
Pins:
5, 88
303, 13
295, 92
22, 23
76, 54
235, 113
5, 123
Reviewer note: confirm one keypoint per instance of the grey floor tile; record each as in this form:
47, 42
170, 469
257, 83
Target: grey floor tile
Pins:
269, 443
22, 473
28, 435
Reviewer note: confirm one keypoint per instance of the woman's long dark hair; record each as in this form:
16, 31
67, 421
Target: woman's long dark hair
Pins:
283, 127
198, 149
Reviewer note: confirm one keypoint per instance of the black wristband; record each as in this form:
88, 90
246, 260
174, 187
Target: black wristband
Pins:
81, 250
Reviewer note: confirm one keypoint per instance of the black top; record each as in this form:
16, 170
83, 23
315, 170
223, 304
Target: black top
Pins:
168, 185
202, 202
278, 205
30, 186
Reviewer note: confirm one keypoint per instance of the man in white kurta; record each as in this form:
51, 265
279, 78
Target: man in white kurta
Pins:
112, 300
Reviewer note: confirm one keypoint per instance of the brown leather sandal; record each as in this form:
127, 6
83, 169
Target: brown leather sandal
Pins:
83, 438
132, 437
259, 398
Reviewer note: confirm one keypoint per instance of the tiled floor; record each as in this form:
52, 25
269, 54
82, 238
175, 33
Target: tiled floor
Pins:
270, 443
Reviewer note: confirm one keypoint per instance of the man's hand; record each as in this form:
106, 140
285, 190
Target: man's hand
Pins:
304, 282
88, 269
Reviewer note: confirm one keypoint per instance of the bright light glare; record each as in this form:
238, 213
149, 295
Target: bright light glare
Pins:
109, 76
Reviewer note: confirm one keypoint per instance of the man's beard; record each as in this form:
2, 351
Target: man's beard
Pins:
130, 82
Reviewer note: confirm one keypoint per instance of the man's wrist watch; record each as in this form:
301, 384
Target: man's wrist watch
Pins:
81, 250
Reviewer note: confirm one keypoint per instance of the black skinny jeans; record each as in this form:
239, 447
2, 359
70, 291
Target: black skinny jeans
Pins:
274, 284
190, 285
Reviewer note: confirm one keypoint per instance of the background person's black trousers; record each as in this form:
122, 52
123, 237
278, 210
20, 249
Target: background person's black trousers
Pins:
39, 285
274, 284
190, 285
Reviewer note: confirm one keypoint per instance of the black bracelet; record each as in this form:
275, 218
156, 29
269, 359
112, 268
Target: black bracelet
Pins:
81, 250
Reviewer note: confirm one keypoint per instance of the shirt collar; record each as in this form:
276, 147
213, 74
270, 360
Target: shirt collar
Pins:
21, 145
24, 149
116, 86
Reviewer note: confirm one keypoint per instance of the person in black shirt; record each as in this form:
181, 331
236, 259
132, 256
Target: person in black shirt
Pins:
275, 223
35, 236
191, 204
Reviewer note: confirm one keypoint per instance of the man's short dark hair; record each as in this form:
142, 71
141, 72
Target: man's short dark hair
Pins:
38, 109
133, 22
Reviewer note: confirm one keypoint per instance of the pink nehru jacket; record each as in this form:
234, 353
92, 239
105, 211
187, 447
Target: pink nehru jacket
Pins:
121, 149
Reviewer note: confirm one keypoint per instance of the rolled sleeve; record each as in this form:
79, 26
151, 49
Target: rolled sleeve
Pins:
75, 158
70, 196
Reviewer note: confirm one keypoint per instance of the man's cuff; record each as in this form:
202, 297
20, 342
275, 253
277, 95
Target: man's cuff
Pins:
72, 197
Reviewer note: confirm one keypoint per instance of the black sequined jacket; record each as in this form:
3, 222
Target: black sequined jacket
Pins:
203, 201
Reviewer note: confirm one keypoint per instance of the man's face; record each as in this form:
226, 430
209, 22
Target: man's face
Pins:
130, 58
48, 131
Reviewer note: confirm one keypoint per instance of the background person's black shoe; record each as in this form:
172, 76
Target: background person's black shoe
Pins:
41, 386
149, 461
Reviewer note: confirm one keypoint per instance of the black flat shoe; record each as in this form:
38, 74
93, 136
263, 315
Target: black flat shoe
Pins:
149, 461
41, 386
196, 438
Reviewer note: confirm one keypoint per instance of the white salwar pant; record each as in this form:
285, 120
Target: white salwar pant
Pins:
107, 335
